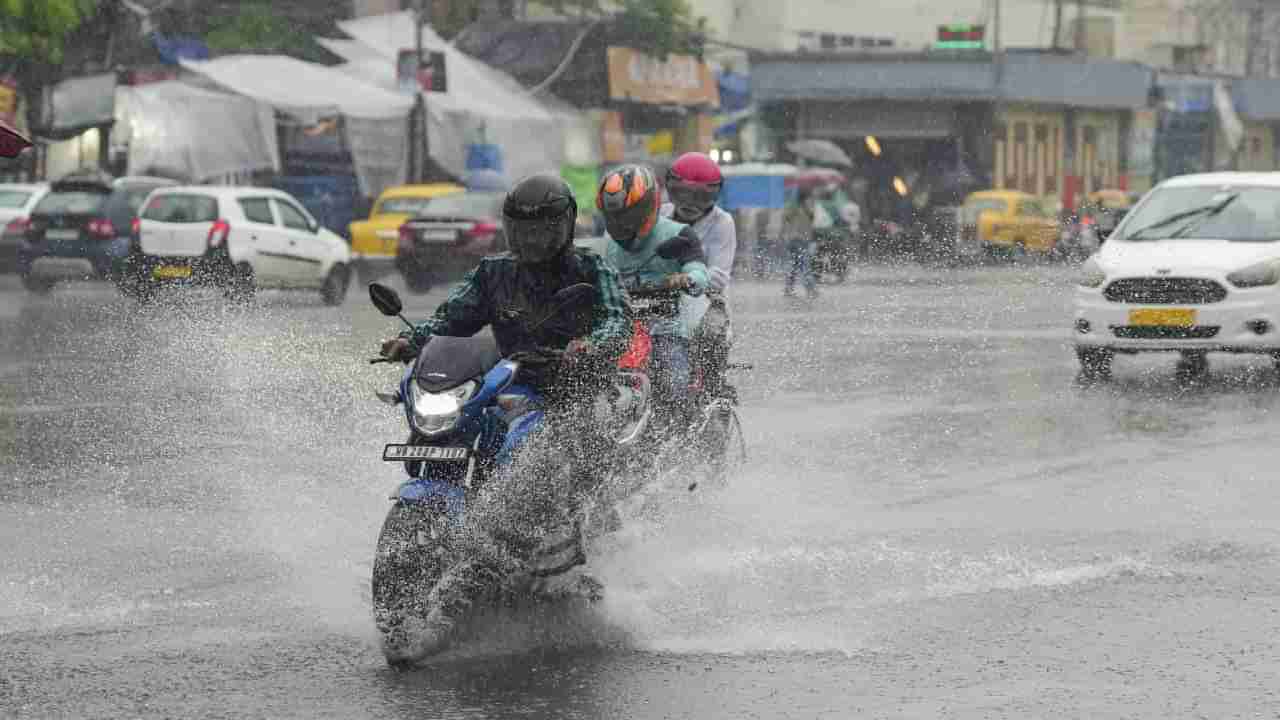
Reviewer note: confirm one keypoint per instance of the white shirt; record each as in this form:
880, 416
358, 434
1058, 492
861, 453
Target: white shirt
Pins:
719, 245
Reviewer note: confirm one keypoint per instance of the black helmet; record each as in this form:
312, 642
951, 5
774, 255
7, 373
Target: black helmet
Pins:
538, 218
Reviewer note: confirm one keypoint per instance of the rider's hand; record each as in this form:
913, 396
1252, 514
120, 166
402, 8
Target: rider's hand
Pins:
579, 346
576, 351
396, 348
677, 281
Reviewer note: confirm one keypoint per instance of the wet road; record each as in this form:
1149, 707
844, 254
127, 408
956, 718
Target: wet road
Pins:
937, 521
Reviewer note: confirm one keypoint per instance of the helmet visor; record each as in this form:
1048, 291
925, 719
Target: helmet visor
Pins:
624, 225
693, 200
536, 241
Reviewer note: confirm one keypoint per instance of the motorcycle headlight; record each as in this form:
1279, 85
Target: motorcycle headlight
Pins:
1263, 273
1091, 274
434, 413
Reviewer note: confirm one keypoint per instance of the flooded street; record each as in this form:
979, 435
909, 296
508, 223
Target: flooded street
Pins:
936, 520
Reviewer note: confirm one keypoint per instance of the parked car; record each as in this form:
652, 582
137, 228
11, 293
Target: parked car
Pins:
374, 241
454, 233
1008, 221
1193, 268
237, 239
16, 203
80, 228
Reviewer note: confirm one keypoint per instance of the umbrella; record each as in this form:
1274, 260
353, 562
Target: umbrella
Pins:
809, 178
820, 151
12, 142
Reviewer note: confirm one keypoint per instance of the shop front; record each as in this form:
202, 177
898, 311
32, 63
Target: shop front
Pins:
923, 127
657, 108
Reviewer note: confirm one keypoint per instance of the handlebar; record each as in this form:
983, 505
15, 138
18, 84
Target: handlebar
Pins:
660, 291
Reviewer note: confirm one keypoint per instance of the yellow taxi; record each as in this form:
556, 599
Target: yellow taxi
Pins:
375, 240
1009, 220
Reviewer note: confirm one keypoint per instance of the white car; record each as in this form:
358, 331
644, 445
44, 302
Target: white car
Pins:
236, 238
16, 203
1194, 268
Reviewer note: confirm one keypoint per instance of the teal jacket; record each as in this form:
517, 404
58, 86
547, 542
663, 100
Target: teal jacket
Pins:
643, 264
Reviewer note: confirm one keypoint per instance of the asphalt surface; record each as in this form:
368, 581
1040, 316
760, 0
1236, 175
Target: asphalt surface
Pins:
937, 520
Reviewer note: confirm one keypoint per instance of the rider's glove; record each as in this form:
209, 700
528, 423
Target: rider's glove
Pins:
577, 350
677, 281
397, 349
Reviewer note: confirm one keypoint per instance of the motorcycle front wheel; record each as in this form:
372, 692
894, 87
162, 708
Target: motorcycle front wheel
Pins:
407, 564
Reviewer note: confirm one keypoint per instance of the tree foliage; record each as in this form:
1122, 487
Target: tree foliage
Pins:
271, 27
37, 30
659, 27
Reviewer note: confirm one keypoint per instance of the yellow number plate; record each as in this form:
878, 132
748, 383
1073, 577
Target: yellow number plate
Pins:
1161, 317
172, 271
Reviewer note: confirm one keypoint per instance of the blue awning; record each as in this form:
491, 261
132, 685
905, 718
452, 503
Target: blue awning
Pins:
173, 48
1030, 78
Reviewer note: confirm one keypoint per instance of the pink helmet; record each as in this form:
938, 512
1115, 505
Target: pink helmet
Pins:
693, 183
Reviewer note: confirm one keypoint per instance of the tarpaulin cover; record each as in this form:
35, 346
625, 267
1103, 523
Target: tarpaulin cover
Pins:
77, 104
376, 119
194, 133
482, 104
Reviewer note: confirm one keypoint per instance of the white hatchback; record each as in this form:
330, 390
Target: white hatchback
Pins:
236, 238
1193, 268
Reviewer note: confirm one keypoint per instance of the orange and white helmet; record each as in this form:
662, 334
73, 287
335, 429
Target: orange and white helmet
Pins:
629, 197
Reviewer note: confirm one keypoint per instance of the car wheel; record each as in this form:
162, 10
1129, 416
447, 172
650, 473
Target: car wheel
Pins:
241, 286
1095, 363
335, 286
37, 284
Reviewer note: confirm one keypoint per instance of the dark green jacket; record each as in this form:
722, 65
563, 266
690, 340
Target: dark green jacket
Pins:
512, 297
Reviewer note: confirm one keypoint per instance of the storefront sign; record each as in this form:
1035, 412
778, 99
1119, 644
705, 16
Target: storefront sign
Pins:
679, 80
8, 101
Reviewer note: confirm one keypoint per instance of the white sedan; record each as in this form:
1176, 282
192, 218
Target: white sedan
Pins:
1194, 268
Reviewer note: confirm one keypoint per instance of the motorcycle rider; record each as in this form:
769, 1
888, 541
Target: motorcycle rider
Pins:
693, 184
628, 197
511, 292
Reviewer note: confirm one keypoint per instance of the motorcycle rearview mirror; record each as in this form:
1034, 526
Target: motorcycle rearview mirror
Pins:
387, 301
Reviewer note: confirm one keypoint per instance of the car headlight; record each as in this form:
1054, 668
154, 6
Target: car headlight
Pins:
1091, 274
1263, 273
434, 413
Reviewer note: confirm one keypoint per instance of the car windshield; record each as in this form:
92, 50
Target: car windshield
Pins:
469, 204
1252, 216
13, 199
71, 202
975, 207
406, 205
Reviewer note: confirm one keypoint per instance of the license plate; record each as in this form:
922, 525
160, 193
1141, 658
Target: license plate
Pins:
62, 234
393, 453
439, 235
1161, 317
172, 271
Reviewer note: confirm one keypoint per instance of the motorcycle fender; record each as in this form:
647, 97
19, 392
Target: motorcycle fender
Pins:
443, 496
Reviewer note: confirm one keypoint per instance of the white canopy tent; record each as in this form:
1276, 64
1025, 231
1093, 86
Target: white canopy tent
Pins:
375, 119
193, 133
481, 104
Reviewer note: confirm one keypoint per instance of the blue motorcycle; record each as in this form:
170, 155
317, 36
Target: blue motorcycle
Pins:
467, 412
